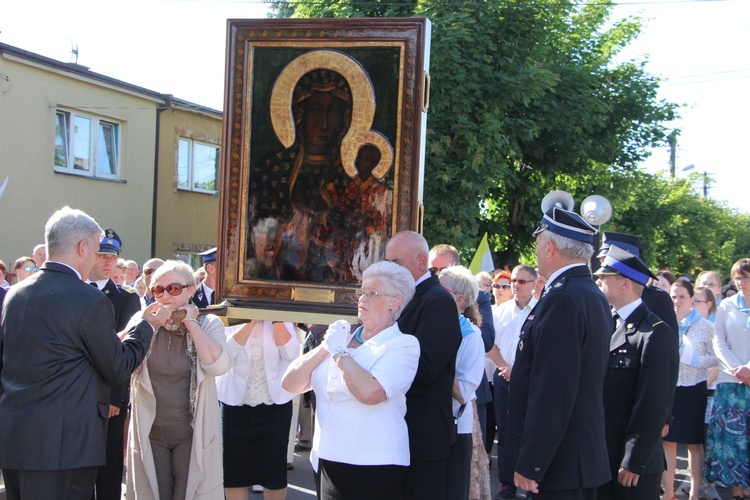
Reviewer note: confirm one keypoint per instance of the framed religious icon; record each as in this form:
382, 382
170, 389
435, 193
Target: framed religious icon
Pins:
323, 156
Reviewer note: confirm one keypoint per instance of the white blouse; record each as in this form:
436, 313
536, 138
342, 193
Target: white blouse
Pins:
352, 432
232, 387
732, 339
700, 335
469, 374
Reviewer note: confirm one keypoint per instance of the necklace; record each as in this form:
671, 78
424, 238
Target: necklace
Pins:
358, 336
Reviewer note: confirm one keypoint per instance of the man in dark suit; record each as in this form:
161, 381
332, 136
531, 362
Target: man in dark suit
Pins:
59, 354
431, 317
205, 292
125, 304
640, 381
657, 300
554, 443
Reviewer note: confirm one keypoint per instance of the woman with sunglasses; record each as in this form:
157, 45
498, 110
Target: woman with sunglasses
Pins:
361, 443
174, 448
501, 288
24, 267
728, 442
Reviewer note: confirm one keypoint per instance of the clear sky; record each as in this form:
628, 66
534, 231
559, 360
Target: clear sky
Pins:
700, 49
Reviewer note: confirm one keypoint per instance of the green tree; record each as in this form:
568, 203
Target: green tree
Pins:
528, 97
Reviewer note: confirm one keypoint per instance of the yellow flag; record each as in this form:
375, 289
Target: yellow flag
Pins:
482, 260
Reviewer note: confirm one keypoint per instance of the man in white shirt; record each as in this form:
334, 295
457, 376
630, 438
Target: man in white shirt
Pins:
508, 318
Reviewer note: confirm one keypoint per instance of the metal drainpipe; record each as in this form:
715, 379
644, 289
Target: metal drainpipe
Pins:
167, 105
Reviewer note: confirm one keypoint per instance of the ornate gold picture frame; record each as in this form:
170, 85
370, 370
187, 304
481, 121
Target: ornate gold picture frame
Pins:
323, 156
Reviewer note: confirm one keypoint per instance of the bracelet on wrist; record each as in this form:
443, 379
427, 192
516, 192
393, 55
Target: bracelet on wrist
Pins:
339, 355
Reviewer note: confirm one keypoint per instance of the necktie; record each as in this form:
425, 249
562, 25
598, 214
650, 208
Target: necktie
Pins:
93, 283
616, 319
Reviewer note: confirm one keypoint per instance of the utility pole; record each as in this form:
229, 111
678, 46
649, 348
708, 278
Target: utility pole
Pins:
672, 151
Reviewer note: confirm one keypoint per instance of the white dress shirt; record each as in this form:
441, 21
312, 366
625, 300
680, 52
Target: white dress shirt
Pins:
352, 432
509, 319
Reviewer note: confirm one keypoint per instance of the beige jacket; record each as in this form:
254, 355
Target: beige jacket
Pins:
205, 475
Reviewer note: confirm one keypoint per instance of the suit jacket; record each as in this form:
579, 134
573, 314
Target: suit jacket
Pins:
60, 353
200, 298
660, 303
638, 392
555, 429
125, 304
484, 303
431, 317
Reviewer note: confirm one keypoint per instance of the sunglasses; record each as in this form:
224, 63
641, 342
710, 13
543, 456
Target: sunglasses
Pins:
29, 269
505, 286
435, 270
173, 289
521, 282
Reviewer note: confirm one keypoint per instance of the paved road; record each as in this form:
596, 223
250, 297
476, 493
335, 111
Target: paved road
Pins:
302, 485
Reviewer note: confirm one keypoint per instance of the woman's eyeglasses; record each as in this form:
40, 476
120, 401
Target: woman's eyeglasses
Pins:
30, 269
173, 289
504, 286
370, 294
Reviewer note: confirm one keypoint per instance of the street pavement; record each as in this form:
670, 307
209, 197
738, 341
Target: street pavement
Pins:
302, 483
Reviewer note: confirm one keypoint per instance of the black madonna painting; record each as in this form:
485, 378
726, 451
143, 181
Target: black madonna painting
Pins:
324, 161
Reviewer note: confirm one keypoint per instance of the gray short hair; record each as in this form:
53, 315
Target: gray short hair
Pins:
462, 282
398, 280
570, 248
174, 266
67, 227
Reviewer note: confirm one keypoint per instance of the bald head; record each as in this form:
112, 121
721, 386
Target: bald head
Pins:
410, 250
149, 267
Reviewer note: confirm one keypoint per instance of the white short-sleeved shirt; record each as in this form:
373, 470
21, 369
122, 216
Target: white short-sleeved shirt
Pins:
509, 319
469, 375
351, 432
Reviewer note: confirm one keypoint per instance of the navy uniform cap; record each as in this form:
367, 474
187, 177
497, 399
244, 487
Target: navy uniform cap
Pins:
619, 261
209, 255
568, 224
111, 243
629, 242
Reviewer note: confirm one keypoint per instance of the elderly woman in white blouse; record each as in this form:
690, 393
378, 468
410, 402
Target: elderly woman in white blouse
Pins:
469, 365
256, 412
689, 407
361, 443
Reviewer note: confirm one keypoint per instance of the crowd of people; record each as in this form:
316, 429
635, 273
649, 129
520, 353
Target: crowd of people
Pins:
586, 382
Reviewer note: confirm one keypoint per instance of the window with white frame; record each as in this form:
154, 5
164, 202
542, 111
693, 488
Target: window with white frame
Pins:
197, 164
87, 145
